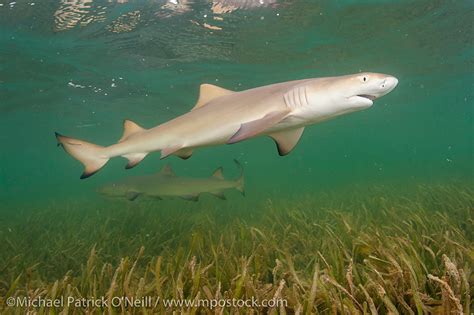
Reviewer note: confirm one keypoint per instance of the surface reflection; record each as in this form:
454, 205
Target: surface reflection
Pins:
81, 13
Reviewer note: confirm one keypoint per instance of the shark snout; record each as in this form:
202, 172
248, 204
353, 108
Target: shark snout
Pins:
383, 87
388, 84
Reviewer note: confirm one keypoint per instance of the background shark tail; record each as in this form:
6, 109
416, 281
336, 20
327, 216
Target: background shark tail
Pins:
240, 181
89, 154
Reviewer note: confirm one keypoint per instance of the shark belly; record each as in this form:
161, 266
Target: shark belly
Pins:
210, 125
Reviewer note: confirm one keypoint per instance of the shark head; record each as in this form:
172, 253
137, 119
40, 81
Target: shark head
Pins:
362, 89
334, 96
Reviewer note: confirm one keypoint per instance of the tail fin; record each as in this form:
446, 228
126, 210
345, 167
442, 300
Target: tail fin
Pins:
90, 155
240, 180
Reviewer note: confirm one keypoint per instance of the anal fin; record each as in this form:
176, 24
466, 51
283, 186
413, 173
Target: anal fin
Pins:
134, 159
286, 140
255, 127
219, 195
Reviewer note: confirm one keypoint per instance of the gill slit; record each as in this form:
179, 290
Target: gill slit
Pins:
306, 95
296, 98
287, 101
301, 96
293, 99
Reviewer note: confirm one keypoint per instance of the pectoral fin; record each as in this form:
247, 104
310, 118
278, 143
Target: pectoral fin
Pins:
218, 173
132, 195
190, 197
255, 127
286, 140
184, 153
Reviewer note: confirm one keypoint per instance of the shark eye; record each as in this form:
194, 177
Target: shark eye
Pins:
364, 78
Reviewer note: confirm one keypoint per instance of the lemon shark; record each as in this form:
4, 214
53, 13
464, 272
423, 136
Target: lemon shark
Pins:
166, 184
220, 116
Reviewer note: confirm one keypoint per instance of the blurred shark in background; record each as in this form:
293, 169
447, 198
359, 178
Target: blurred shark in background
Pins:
166, 184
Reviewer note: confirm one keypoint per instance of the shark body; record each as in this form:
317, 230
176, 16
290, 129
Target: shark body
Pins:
280, 111
165, 184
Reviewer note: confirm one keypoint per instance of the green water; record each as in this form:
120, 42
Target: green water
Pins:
81, 67
421, 131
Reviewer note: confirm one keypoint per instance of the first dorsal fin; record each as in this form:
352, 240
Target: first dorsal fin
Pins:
218, 173
208, 92
130, 128
167, 171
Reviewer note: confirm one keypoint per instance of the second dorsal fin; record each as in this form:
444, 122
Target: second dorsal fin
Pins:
208, 92
130, 128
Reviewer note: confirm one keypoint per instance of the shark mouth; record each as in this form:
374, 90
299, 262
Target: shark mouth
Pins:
370, 97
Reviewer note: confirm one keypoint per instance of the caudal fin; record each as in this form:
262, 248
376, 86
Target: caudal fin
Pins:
240, 181
89, 154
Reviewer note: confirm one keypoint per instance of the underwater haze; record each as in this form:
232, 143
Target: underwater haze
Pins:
361, 200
